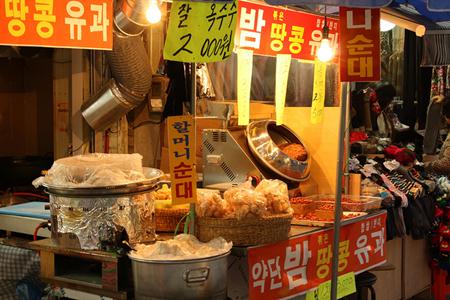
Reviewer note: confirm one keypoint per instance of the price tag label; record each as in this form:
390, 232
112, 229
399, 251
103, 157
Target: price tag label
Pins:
346, 286
282, 74
244, 80
320, 69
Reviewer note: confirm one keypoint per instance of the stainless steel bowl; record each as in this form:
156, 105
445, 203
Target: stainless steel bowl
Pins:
263, 138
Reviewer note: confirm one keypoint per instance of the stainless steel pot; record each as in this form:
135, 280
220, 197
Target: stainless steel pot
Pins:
204, 278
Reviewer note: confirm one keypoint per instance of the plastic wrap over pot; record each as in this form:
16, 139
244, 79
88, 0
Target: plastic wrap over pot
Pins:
99, 222
94, 170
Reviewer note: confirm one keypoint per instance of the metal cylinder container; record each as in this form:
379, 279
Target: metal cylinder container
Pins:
129, 16
107, 106
204, 278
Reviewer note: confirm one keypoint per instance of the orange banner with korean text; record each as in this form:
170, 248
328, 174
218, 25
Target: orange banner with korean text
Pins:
181, 140
271, 30
359, 44
302, 263
57, 23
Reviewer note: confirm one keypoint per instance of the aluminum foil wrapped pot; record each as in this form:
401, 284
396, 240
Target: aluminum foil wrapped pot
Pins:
272, 146
94, 218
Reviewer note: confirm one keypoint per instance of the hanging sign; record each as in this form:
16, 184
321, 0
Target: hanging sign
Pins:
55, 23
270, 30
318, 101
183, 176
360, 44
352, 3
200, 31
346, 286
244, 82
281, 79
302, 263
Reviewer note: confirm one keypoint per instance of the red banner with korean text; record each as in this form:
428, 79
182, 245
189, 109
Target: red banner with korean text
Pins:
359, 44
183, 175
57, 23
271, 30
302, 263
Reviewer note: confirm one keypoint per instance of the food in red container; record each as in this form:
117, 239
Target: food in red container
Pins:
302, 206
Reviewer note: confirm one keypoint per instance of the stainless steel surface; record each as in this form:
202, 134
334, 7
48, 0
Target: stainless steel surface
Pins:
106, 107
204, 278
263, 138
224, 161
24, 225
129, 16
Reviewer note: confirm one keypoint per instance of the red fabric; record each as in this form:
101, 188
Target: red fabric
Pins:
405, 157
356, 136
392, 151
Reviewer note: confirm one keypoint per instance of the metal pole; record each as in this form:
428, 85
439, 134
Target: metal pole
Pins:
345, 94
193, 112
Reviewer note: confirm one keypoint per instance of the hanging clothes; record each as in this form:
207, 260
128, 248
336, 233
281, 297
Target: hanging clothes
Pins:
440, 85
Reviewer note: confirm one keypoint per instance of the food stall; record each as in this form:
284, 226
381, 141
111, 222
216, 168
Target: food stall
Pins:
259, 185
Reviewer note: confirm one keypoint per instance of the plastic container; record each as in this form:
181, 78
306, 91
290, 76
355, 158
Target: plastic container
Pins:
326, 202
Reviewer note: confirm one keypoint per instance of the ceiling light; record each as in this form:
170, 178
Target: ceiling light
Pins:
402, 21
153, 13
386, 25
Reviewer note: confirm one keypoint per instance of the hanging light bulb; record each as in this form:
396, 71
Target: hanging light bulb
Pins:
325, 52
153, 13
386, 25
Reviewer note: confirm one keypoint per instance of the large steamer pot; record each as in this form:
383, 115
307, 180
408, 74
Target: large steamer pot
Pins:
263, 138
204, 278
98, 217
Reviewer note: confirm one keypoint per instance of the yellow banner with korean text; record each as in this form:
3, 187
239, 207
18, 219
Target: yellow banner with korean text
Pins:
54, 23
318, 101
200, 31
281, 76
183, 175
244, 80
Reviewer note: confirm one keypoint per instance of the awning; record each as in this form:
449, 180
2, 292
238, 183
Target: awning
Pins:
433, 10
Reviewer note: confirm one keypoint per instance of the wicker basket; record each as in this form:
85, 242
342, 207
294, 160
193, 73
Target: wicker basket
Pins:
168, 218
246, 232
